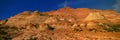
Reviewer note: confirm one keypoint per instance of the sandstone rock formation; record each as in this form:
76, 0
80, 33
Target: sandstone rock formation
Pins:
62, 24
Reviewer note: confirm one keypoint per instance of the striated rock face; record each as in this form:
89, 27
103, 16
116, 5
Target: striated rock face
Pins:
62, 24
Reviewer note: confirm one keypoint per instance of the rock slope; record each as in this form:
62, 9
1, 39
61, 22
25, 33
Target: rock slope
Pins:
62, 24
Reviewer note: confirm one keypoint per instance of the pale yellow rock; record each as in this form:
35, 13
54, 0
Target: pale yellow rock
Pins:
51, 20
62, 19
43, 27
91, 25
82, 25
94, 16
71, 20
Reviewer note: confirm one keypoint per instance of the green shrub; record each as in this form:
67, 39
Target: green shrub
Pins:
114, 28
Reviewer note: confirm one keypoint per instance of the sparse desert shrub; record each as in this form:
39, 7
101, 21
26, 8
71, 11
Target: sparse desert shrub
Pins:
4, 34
77, 29
13, 27
43, 14
4, 27
0, 24
7, 33
36, 26
93, 29
111, 27
114, 28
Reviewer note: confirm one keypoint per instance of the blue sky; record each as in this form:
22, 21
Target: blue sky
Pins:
12, 7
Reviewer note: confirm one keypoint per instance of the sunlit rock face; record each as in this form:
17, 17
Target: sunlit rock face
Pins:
26, 17
94, 16
63, 24
51, 20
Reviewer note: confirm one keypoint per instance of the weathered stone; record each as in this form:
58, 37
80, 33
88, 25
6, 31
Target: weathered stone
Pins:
94, 16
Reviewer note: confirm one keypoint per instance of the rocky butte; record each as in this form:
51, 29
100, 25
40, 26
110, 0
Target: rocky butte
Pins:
62, 24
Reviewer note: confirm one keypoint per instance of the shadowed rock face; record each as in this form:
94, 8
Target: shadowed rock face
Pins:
63, 24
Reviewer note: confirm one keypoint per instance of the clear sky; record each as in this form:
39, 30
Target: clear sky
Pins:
12, 7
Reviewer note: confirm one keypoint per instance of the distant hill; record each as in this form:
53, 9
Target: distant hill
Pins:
61, 24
